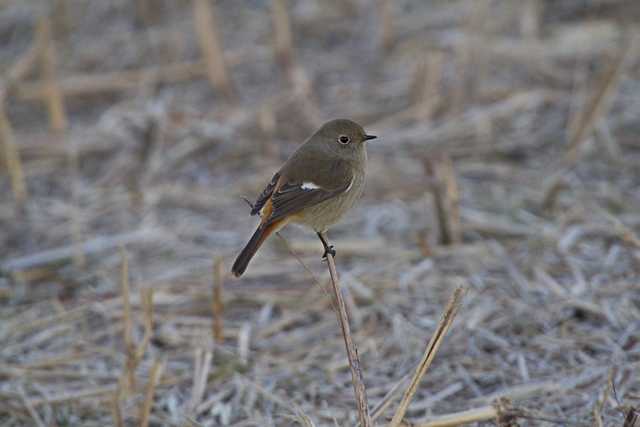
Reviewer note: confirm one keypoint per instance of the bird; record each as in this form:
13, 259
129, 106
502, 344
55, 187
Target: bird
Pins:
316, 186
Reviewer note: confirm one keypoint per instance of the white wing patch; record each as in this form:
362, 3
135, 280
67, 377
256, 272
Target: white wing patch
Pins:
350, 185
308, 185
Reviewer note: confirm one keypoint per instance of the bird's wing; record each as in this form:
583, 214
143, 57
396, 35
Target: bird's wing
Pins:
266, 193
309, 177
292, 197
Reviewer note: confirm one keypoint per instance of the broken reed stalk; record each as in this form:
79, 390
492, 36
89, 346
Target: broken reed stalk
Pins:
453, 198
429, 354
389, 398
599, 103
146, 299
555, 184
202, 365
484, 413
127, 321
463, 58
116, 409
31, 410
94, 246
585, 121
92, 84
134, 353
211, 47
446, 198
282, 40
154, 379
25, 63
54, 99
58, 123
217, 306
425, 88
10, 155
386, 24
352, 351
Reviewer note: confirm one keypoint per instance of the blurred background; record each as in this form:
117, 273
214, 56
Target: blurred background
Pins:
507, 162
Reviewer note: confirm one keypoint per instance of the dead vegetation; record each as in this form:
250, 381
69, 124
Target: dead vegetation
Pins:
507, 163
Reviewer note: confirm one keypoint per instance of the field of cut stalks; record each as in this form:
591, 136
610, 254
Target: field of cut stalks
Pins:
507, 165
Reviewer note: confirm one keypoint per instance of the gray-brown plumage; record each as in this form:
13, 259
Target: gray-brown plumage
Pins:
316, 186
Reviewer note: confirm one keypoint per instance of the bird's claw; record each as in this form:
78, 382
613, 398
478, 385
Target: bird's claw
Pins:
329, 250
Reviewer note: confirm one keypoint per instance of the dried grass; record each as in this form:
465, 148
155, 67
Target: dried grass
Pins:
550, 254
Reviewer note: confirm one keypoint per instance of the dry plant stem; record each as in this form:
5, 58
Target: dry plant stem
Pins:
9, 152
386, 24
127, 321
146, 298
25, 63
30, 409
200, 377
429, 354
477, 70
154, 378
585, 121
54, 98
426, 86
555, 185
91, 84
459, 95
446, 198
101, 392
96, 245
11, 156
485, 413
389, 398
352, 351
453, 199
599, 103
283, 44
217, 306
211, 47
116, 410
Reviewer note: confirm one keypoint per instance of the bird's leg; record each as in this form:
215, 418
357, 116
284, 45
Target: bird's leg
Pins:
328, 249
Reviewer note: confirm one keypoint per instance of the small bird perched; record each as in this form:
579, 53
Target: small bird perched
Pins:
315, 187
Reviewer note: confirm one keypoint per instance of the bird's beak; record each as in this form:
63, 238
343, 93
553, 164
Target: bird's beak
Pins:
369, 137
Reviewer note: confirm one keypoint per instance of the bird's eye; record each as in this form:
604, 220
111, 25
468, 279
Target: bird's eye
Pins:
344, 139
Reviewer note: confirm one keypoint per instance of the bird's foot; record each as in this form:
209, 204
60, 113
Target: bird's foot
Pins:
329, 250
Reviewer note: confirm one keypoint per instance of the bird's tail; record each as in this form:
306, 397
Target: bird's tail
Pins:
258, 238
